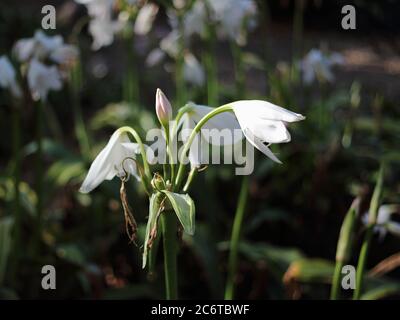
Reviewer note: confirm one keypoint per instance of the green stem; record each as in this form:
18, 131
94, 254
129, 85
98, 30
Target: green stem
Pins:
131, 80
239, 69
372, 218
170, 243
192, 174
210, 64
179, 79
80, 128
197, 128
235, 238
17, 180
297, 34
146, 179
39, 168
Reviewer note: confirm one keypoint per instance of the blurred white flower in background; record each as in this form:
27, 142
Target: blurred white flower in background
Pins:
42, 79
145, 18
193, 72
42, 46
234, 17
318, 66
37, 53
384, 223
103, 25
8, 77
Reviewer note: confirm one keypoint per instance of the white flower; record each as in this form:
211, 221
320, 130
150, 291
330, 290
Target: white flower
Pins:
193, 72
42, 78
316, 65
24, 49
45, 45
169, 44
7, 77
231, 15
102, 26
112, 161
145, 18
194, 20
199, 150
384, 223
155, 57
41, 47
102, 31
263, 123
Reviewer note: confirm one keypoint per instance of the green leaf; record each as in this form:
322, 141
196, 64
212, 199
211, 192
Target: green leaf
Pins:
382, 292
184, 208
154, 208
310, 271
6, 225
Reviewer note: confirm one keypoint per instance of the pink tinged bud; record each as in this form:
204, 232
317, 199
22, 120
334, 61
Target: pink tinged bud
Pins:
163, 108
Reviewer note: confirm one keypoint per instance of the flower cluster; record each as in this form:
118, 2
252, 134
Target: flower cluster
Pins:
103, 26
45, 59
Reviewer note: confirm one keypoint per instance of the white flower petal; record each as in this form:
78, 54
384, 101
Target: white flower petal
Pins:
252, 109
260, 145
145, 18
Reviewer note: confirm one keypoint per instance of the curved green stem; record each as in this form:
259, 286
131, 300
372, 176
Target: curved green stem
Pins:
170, 243
139, 141
191, 176
234, 244
197, 128
372, 218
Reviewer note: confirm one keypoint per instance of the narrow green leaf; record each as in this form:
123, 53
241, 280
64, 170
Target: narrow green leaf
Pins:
6, 225
183, 206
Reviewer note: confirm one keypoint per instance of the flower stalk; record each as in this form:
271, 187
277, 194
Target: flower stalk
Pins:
235, 238
372, 217
39, 178
210, 64
170, 243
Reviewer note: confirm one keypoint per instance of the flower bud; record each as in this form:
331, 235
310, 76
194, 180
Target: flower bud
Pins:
163, 108
158, 182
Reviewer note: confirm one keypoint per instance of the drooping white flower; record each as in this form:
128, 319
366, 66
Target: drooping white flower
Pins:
317, 65
384, 222
193, 72
112, 161
42, 78
8, 77
263, 123
145, 18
